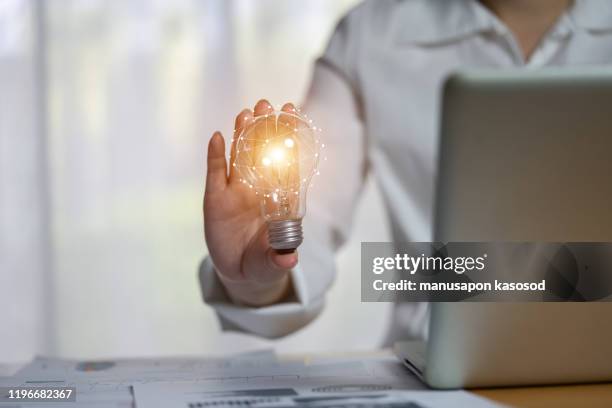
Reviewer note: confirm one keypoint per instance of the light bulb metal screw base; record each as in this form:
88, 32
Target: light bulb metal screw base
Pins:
285, 235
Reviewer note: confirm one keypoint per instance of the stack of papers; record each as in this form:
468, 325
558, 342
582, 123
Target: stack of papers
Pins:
258, 380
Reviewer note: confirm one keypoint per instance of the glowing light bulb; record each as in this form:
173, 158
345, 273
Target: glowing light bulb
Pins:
278, 155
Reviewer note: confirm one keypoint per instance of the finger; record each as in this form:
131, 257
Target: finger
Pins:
267, 124
289, 108
216, 174
287, 122
263, 131
288, 135
275, 265
242, 120
263, 107
283, 261
262, 263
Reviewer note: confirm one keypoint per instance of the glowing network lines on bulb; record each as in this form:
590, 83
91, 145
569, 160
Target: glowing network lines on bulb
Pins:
277, 155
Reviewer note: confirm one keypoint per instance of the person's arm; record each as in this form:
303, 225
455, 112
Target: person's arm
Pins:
333, 106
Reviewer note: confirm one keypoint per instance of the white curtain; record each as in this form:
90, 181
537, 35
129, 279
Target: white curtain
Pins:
105, 111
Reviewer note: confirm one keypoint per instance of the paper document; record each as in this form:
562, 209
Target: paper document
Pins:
342, 383
250, 380
128, 368
330, 392
109, 383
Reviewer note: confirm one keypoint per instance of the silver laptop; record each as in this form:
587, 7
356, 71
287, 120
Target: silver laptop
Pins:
524, 156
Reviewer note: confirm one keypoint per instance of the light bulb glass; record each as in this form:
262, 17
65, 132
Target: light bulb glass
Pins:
277, 154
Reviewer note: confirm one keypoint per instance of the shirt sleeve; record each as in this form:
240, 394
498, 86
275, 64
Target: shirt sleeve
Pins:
332, 103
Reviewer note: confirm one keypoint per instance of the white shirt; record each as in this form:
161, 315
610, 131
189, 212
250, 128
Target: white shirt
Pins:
376, 94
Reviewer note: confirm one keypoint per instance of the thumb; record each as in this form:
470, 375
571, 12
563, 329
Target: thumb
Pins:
263, 263
216, 175
283, 261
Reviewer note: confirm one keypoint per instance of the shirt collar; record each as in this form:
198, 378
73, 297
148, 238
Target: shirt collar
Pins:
441, 21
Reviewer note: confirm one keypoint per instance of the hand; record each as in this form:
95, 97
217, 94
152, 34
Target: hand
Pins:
252, 272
